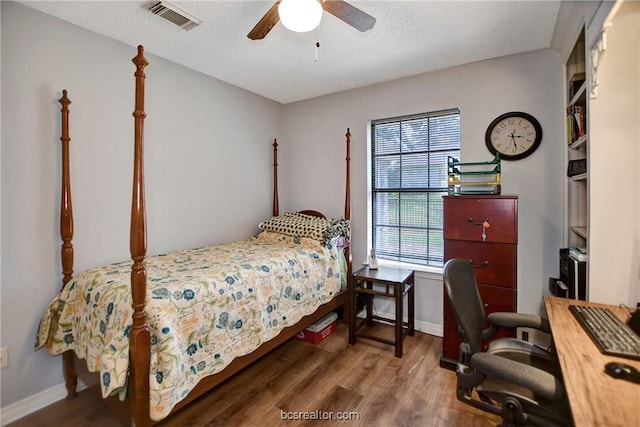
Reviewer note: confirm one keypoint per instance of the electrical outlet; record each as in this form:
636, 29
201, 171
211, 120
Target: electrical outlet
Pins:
4, 357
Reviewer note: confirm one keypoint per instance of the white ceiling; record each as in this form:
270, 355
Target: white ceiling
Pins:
409, 38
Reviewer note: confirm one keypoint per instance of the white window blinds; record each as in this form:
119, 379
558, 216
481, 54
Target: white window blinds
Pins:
408, 180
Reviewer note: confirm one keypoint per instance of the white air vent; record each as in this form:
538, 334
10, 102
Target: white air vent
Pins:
173, 14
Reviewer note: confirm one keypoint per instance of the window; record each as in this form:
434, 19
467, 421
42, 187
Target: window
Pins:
408, 179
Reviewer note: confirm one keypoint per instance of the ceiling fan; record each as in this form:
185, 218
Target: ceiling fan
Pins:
342, 10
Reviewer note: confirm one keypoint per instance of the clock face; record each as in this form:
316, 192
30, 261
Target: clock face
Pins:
514, 135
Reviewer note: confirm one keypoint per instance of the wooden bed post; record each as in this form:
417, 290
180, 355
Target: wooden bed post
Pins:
66, 233
349, 306
66, 208
347, 197
276, 207
139, 338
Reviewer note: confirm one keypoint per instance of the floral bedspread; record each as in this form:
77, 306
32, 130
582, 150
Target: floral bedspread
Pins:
204, 308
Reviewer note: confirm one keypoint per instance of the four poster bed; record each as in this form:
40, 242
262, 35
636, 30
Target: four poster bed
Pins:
154, 333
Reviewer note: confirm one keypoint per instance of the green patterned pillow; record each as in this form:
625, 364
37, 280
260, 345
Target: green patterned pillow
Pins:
296, 224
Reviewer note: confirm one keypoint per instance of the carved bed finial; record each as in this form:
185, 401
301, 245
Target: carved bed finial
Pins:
65, 101
140, 60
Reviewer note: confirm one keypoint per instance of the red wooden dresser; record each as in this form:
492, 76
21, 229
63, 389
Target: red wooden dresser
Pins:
484, 230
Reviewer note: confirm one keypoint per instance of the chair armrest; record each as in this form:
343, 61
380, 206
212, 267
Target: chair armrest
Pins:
538, 381
519, 320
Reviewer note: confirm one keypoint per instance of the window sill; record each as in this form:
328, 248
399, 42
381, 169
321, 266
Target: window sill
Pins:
421, 271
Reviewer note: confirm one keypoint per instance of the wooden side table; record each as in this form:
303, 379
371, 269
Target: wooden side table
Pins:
397, 282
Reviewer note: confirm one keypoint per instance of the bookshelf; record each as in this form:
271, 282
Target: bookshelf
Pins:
577, 145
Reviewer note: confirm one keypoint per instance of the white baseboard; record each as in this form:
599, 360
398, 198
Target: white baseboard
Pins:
429, 328
420, 325
28, 405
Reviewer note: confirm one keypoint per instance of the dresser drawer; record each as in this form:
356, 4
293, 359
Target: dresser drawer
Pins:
494, 263
464, 216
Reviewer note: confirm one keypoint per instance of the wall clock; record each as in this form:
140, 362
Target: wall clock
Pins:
514, 135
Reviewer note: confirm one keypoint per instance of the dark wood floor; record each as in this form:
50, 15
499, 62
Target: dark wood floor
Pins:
365, 381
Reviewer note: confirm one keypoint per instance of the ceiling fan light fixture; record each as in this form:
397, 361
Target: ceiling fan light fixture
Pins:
300, 15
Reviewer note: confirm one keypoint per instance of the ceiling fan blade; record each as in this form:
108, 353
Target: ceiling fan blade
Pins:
353, 16
266, 23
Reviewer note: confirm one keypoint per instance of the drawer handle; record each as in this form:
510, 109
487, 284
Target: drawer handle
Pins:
485, 224
481, 265
470, 220
486, 306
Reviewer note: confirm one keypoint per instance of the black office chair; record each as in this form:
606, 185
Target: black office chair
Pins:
512, 378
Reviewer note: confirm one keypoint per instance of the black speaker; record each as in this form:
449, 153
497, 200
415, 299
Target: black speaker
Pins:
573, 273
557, 287
577, 279
564, 264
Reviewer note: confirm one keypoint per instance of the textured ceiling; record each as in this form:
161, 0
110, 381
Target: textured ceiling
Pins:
409, 38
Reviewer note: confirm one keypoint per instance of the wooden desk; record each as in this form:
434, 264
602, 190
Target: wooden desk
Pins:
596, 399
397, 283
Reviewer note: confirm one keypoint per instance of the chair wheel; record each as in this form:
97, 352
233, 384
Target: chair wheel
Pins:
512, 411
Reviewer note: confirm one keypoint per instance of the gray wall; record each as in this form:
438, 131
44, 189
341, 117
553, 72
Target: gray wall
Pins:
208, 167
196, 194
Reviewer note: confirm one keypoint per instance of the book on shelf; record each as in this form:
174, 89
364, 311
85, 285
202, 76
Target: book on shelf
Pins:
578, 114
576, 123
